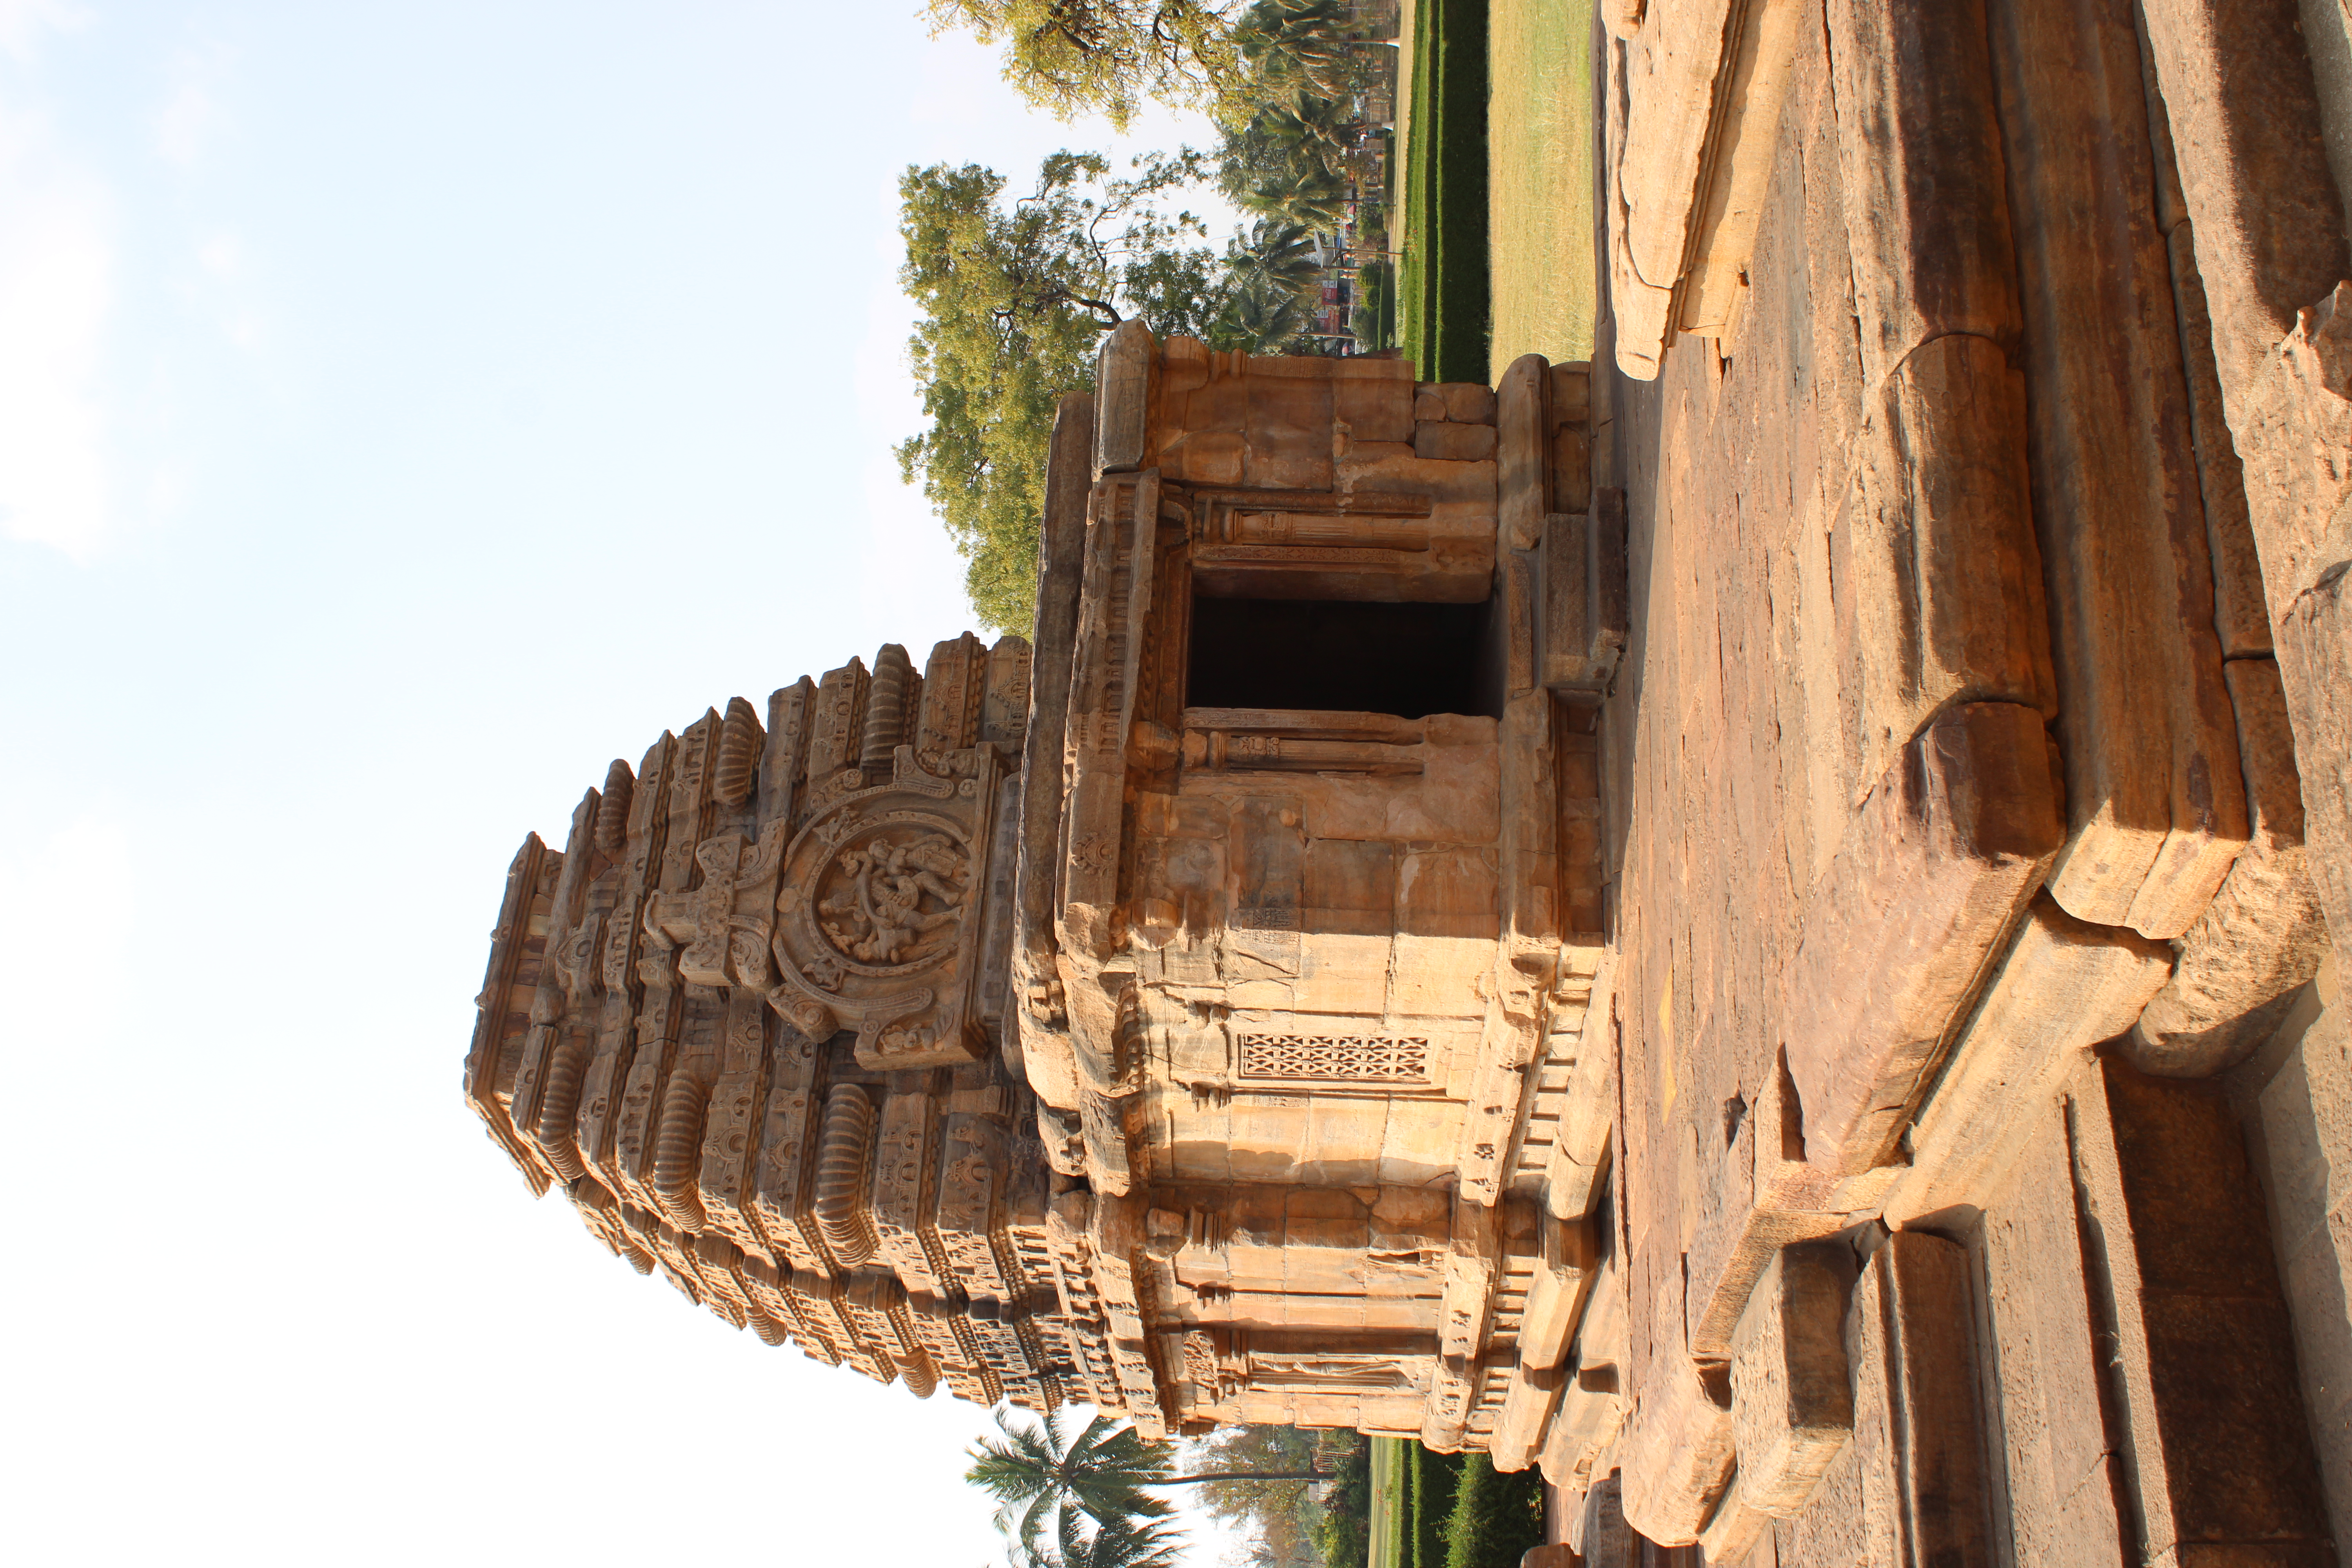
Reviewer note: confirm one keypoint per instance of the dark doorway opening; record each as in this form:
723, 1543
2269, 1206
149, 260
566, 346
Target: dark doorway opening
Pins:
1342, 655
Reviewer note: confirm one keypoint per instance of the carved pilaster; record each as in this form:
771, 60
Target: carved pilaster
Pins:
905, 1179
955, 683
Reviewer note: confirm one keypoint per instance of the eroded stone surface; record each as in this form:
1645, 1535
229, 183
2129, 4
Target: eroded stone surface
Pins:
2262, 937
1791, 1389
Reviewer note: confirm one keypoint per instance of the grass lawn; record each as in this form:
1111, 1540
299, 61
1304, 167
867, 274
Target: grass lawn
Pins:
1442, 293
1540, 179
1449, 1511
1392, 1511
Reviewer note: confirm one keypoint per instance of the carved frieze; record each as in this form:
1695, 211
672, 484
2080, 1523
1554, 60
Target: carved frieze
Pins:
878, 926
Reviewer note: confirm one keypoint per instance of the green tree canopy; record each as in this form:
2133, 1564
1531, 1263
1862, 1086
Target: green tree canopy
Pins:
1077, 57
1105, 56
1014, 300
1121, 1543
1289, 159
1275, 1518
1301, 47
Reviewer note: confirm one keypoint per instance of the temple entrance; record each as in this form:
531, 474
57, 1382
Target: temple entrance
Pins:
1339, 655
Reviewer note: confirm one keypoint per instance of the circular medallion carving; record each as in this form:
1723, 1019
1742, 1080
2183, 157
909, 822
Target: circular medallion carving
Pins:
890, 898
893, 898
879, 908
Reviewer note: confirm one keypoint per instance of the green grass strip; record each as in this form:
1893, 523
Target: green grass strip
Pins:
1433, 1480
1445, 295
1461, 309
1496, 1517
1413, 295
1391, 1507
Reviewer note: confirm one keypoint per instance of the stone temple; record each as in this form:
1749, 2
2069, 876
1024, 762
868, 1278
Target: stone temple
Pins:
1749, 924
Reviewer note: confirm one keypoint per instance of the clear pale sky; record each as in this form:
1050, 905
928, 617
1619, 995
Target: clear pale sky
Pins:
403, 410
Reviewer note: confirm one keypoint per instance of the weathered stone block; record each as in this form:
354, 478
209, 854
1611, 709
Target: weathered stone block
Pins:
2244, 114
1740, 163
1791, 1389
2063, 1479
2214, 1440
1571, 468
1556, 1291
1676, 1451
1919, 164
1123, 375
1735, 1529
1585, 610
1675, 62
1374, 409
1581, 1425
2241, 616
1522, 429
2155, 807
1528, 1402
1604, 1535
1939, 579
2262, 937
2314, 643
1468, 402
2063, 987
1571, 393
1910, 1340
1445, 442
1933, 872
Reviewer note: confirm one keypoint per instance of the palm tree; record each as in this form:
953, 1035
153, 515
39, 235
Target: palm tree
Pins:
1301, 42
1121, 1543
1309, 191
1287, 159
1260, 317
1038, 1468
1279, 251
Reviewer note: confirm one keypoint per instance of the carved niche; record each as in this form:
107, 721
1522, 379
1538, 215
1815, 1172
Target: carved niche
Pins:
878, 918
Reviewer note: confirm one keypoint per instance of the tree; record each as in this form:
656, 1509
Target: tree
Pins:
1105, 56
1309, 191
1076, 56
1039, 1466
1303, 45
1259, 317
1119, 1543
1102, 1470
1287, 160
1014, 300
1278, 1519
1281, 253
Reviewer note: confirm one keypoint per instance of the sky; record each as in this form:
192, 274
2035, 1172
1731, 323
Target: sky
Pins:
403, 410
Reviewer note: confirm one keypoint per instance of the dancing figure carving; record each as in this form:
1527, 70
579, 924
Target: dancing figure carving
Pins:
876, 912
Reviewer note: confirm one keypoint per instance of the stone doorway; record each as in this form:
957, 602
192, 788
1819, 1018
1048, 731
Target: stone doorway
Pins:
1339, 655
